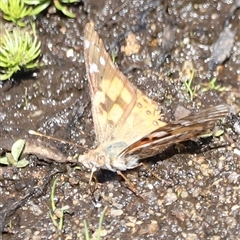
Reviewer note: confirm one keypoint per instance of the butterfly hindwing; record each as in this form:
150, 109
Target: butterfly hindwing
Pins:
181, 130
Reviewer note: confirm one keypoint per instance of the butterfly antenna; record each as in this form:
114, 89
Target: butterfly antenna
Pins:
92, 190
32, 132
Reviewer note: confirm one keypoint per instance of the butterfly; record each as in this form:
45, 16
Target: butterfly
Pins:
126, 121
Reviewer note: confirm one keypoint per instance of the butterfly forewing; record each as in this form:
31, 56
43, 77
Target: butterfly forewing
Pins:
181, 130
119, 109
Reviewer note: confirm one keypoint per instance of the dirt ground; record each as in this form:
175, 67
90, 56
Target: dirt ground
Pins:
196, 194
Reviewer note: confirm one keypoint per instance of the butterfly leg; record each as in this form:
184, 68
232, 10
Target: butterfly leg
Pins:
154, 174
93, 183
127, 181
131, 186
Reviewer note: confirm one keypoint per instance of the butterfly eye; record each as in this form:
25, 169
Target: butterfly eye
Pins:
101, 160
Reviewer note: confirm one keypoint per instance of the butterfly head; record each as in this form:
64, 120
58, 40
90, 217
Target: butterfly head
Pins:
92, 160
109, 156
103, 157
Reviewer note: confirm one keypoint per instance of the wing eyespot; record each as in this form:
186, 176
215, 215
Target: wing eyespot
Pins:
139, 105
148, 112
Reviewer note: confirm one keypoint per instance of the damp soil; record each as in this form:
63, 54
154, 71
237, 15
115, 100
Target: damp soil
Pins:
195, 194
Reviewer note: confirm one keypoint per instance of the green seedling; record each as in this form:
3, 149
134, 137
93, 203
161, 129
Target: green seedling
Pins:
18, 10
13, 157
77, 168
19, 50
98, 232
217, 133
26, 101
41, 5
15, 11
57, 214
212, 86
188, 85
113, 55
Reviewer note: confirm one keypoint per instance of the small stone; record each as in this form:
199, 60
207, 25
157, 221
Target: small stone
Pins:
69, 53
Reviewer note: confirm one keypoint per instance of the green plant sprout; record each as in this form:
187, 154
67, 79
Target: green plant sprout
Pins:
57, 214
19, 50
18, 10
98, 232
216, 133
15, 11
41, 5
113, 56
26, 99
188, 85
13, 157
212, 86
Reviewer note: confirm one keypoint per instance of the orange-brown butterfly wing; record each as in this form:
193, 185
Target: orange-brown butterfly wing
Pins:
181, 130
120, 111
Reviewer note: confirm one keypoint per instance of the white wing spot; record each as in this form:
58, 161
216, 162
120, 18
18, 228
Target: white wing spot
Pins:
102, 61
86, 44
99, 97
93, 68
98, 49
